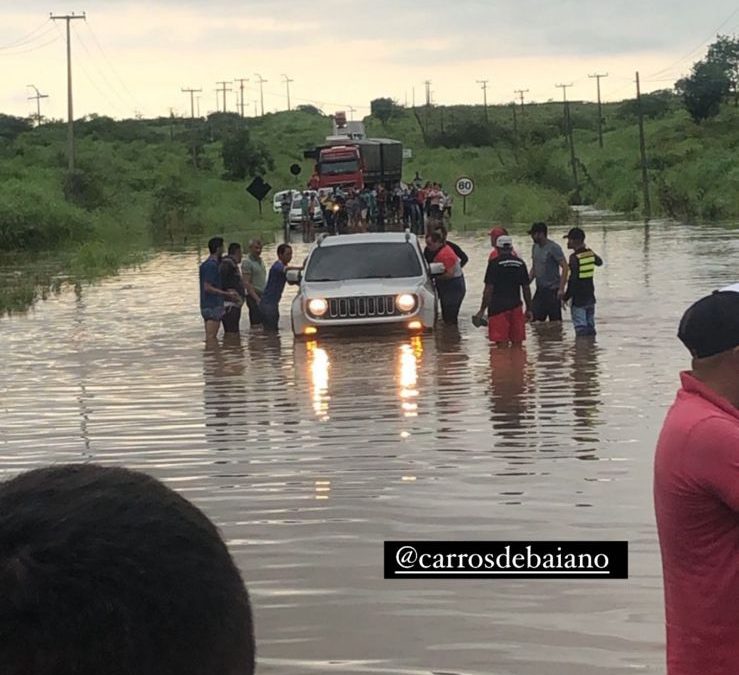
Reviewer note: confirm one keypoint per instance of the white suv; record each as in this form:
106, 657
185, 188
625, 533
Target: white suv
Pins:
379, 279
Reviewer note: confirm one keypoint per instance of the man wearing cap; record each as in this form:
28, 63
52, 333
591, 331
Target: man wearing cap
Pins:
696, 495
549, 268
506, 279
580, 287
494, 234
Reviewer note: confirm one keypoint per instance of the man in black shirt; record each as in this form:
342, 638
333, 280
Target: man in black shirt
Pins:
580, 287
506, 279
231, 280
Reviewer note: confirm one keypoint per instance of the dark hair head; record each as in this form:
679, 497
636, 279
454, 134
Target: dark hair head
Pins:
105, 570
233, 248
214, 243
538, 227
442, 231
435, 236
282, 248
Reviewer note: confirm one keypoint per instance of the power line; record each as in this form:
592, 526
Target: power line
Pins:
19, 42
521, 92
110, 64
35, 48
700, 46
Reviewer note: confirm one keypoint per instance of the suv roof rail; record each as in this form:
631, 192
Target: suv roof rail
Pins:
320, 238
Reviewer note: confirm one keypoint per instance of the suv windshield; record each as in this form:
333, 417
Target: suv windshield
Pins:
363, 261
341, 166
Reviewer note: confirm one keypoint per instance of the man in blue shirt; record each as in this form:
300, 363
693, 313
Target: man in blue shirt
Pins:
212, 295
269, 303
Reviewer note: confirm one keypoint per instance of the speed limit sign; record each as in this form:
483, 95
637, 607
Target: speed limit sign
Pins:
465, 186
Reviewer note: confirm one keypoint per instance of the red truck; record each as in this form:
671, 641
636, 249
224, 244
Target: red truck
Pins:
348, 159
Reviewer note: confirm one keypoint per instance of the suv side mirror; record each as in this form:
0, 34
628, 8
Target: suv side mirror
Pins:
293, 277
437, 268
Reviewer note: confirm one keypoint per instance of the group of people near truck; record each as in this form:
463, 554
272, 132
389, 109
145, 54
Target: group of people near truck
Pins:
347, 210
507, 298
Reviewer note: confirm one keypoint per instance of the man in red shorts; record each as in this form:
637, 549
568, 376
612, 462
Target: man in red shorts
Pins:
506, 279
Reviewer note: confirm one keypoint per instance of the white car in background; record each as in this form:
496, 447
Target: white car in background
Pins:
296, 211
277, 199
364, 280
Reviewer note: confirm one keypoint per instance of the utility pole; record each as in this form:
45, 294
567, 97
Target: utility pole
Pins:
197, 103
224, 88
515, 120
38, 98
261, 91
241, 81
351, 113
70, 112
484, 86
573, 158
192, 100
287, 82
564, 88
597, 76
428, 92
521, 92
643, 152
171, 124
413, 99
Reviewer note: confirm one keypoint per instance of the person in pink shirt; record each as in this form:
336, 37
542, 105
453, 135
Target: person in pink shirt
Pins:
696, 495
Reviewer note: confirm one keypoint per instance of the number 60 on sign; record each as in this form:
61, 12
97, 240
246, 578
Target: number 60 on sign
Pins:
465, 186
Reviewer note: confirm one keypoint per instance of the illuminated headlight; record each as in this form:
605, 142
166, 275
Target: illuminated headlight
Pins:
317, 306
405, 302
336, 208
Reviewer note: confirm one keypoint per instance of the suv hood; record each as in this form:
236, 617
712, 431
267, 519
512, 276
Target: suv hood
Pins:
360, 287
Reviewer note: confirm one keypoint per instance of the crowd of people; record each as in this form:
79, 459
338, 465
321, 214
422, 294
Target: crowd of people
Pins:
507, 298
229, 281
416, 206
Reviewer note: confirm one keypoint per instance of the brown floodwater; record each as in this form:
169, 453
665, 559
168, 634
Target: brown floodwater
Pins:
309, 455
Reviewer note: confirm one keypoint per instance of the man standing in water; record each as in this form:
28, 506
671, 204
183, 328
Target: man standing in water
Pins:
231, 280
580, 288
506, 280
696, 495
212, 296
269, 305
255, 277
549, 268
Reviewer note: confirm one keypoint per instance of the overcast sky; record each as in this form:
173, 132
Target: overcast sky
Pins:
131, 55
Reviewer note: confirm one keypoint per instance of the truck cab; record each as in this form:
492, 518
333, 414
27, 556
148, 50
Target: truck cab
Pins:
340, 165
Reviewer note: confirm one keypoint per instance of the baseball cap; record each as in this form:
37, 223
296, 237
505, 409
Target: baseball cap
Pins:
503, 240
575, 233
711, 325
497, 231
538, 227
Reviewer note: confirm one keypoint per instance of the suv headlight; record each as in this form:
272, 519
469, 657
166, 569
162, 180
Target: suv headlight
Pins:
317, 306
405, 302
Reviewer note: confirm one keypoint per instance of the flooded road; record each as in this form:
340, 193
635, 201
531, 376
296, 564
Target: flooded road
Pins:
309, 455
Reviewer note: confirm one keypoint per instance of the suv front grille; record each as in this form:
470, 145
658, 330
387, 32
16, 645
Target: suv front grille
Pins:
361, 307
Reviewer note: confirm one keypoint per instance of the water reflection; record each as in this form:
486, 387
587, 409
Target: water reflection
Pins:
586, 400
408, 377
508, 393
318, 363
